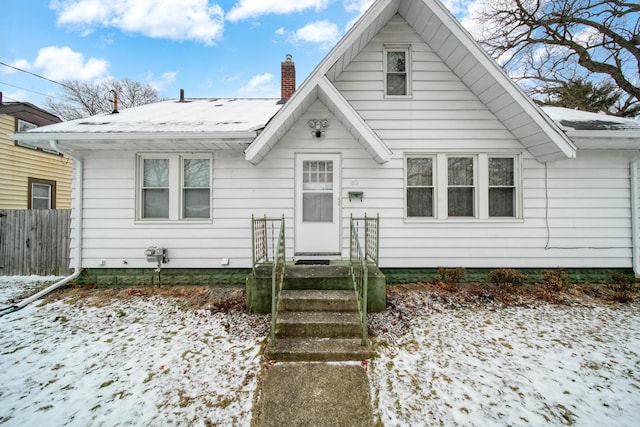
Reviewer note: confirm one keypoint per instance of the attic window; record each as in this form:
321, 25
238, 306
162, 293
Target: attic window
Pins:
397, 66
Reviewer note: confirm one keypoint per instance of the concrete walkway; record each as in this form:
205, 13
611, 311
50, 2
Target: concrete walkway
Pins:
313, 394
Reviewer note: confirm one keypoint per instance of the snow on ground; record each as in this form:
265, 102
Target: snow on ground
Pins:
540, 365
143, 361
151, 361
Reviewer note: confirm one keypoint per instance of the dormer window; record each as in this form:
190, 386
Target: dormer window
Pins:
397, 64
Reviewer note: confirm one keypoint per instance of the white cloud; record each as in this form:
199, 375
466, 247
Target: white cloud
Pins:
62, 63
261, 84
165, 79
323, 32
280, 31
171, 19
359, 6
245, 9
23, 64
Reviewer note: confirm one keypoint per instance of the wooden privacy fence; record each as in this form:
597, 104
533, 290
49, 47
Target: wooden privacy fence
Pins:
34, 242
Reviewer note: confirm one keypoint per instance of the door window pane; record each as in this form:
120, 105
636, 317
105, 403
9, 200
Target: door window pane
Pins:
317, 207
317, 191
317, 175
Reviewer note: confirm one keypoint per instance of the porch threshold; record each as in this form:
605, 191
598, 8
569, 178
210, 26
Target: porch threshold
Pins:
316, 258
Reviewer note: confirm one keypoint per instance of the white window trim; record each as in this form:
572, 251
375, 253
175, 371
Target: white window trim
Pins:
517, 184
481, 184
476, 192
176, 176
434, 169
406, 47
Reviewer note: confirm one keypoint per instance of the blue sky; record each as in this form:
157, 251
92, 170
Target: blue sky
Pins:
210, 48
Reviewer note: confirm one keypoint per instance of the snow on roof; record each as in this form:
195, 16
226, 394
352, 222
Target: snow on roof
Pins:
191, 116
582, 120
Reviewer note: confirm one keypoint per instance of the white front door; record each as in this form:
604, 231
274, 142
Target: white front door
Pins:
317, 226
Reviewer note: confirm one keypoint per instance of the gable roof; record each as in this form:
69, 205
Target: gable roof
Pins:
455, 46
192, 124
29, 112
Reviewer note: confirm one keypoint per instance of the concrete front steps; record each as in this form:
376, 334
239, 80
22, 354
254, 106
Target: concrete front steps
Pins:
318, 325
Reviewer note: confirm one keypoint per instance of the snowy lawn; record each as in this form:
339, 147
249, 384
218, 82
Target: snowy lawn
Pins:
138, 361
143, 357
445, 362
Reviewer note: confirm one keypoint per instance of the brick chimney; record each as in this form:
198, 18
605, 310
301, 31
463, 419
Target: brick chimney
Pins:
288, 85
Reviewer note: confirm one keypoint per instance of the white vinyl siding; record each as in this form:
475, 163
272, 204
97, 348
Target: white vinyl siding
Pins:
571, 213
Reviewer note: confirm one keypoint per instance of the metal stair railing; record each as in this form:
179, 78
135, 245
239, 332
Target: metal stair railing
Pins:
260, 228
359, 260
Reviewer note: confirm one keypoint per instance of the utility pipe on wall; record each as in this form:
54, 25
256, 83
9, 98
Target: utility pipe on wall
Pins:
635, 262
78, 171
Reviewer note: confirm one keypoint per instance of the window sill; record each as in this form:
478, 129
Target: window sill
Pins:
173, 221
397, 97
463, 220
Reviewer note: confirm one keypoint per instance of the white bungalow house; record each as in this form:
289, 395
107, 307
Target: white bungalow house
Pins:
406, 118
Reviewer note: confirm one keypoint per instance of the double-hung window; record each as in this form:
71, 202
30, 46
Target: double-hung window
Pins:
155, 188
174, 187
463, 187
420, 191
502, 188
397, 67
461, 190
42, 194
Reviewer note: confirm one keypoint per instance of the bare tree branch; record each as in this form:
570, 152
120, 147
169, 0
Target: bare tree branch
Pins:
82, 99
540, 42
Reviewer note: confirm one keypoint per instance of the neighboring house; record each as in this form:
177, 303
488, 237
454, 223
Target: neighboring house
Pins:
30, 178
408, 113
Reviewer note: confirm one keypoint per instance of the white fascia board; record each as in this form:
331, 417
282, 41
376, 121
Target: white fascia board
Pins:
605, 139
358, 127
361, 26
604, 134
242, 136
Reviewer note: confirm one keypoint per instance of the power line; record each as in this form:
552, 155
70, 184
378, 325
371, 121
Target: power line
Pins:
34, 74
28, 90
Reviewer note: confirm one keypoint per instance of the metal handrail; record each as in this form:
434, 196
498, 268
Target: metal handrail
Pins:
263, 239
277, 279
360, 275
371, 236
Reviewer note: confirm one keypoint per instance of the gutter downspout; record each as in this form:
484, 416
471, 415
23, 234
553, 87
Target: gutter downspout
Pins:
78, 169
635, 250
